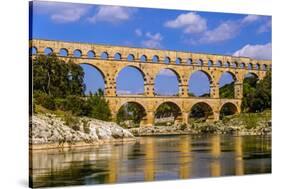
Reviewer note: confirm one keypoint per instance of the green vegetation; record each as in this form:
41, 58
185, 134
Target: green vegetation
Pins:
200, 113
250, 120
58, 86
227, 91
166, 114
131, 112
167, 110
256, 98
56, 77
71, 121
257, 94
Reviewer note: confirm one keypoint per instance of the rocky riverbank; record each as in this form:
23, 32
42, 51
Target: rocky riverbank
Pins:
244, 124
51, 131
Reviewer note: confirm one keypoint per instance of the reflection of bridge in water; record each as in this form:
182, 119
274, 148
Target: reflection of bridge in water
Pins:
150, 159
110, 60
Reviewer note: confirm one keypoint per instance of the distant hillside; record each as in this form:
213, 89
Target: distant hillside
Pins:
227, 91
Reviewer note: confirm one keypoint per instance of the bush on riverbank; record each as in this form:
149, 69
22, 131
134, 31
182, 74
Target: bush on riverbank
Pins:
94, 106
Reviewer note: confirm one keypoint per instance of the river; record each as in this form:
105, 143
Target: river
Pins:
153, 158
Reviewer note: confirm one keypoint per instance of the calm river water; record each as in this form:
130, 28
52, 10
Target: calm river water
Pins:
153, 158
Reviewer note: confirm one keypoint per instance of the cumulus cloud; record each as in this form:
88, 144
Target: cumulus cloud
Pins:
138, 32
265, 27
61, 12
166, 72
69, 15
227, 30
250, 18
223, 32
152, 40
112, 14
190, 22
255, 51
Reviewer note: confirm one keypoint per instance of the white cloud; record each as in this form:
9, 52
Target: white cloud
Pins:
255, 51
250, 18
153, 40
112, 14
225, 31
124, 92
130, 92
138, 32
265, 27
190, 22
69, 15
61, 12
166, 72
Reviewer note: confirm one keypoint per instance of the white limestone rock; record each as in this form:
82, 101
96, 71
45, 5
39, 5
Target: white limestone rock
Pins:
50, 129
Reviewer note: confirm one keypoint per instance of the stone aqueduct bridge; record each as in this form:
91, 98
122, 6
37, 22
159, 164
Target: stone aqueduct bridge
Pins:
149, 62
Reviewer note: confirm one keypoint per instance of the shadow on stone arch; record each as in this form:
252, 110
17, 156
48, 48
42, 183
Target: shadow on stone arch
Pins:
228, 109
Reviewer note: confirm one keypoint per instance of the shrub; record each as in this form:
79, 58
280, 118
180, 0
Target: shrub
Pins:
45, 100
249, 120
98, 107
183, 126
74, 104
72, 121
86, 126
60, 103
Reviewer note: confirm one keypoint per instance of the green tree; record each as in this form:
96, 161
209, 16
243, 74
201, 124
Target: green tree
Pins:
257, 94
60, 85
264, 90
56, 77
131, 111
167, 109
99, 106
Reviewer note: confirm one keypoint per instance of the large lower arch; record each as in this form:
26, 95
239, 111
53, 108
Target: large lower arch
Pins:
200, 112
130, 80
94, 78
228, 109
202, 90
167, 83
226, 85
167, 113
131, 114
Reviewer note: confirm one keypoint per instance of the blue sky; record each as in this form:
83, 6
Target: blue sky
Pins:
216, 33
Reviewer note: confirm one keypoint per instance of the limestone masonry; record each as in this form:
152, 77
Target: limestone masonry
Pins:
110, 60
